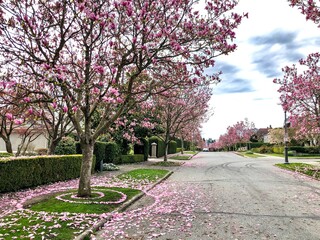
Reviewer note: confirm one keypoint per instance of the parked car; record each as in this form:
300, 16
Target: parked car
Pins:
205, 150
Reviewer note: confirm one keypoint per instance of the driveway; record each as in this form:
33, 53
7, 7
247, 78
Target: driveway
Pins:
224, 196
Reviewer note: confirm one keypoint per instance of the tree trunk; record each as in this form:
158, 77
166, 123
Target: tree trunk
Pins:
182, 145
165, 158
52, 146
84, 189
8, 146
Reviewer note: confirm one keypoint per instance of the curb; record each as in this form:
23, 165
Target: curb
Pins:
100, 224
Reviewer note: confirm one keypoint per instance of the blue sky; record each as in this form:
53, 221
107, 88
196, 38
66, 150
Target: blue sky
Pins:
275, 35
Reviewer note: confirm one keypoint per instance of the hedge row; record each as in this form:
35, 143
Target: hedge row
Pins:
107, 152
172, 147
5, 154
142, 149
160, 146
131, 159
19, 173
280, 149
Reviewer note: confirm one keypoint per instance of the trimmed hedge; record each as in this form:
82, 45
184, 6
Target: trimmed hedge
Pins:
131, 158
257, 144
172, 147
160, 146
142, 149
19, 173
99, 150
112, 153
5, 154
108, 152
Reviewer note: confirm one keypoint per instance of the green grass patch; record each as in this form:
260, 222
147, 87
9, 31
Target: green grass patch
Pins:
303, 168
53, 204
51, 218
144, 174
167, 164
189, 152
35, 225
180, 157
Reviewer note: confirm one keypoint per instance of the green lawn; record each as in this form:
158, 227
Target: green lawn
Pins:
303, 168
63, 215
189, 152
167, 164
54, 205
180, 157
56, 219
144, 174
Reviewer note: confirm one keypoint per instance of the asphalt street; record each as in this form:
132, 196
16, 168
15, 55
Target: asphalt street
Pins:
226, 196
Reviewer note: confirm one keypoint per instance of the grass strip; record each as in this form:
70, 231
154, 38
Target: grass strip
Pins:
304, 168
150, 175
180, 157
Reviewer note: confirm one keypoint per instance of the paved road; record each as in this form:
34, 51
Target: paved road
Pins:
225, 196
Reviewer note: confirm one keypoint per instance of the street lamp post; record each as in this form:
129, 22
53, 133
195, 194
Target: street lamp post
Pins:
286, 161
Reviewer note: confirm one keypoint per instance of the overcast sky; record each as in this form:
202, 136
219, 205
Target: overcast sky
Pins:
275, 35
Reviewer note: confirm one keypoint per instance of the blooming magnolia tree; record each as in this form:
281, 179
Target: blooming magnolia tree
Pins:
92, 52
310, 8
180, 108
300, 96
240, 132
299, 89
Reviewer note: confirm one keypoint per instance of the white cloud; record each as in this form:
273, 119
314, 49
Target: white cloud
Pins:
287, 37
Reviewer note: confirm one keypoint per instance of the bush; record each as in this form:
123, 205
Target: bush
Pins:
278, 149
66, 146
172, 148
112, 153
257, 144
131, 158
298, 149
179, 150
249, 152
292, 153
5, 154
160, 146
142, 149
19, 173
99, 150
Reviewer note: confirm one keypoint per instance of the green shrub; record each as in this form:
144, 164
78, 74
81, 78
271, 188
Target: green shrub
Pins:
19, 173
179, 150
313, 150
255, 150
257, 144
66, 146
278, 149
5, 154
292, 153
131, 158
249, 152
179, 145
112, 153
160, 146
187, 145
142, 148
99, 150
172, 147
